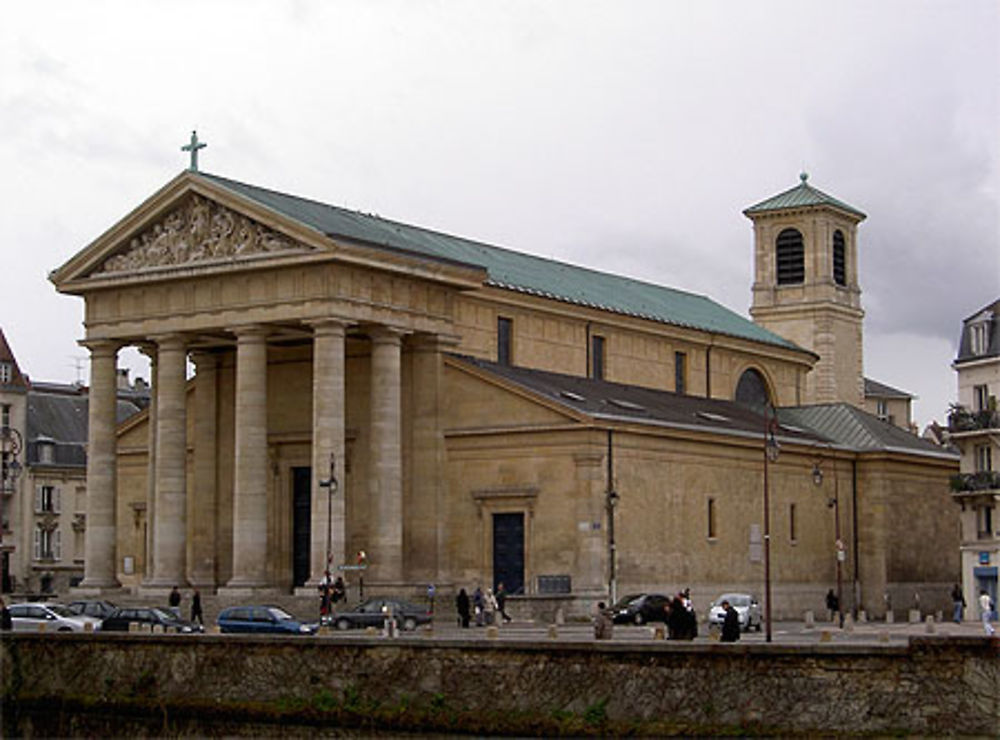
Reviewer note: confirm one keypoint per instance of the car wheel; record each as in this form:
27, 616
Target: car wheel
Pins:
409, 624
343, 624
65, 629
638, 619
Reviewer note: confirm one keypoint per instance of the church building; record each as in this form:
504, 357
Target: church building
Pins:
412, 408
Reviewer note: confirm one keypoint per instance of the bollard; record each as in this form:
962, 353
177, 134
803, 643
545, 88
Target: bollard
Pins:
553, 632
889, 617
929, 625
429, 630
492, 632
133, 626
883, 636
371, 631
146, 627
214, 629
659, 633
862, 616
810, 619
825, 636
42, 626
939, 617
848, 623
560, 617
88, 626
914, 616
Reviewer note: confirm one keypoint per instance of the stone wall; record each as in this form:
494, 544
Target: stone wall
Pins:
930, 686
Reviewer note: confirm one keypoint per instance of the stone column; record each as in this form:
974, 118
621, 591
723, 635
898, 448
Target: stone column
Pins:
170, 516
250, 545
148, 572
201, 504
386, 474
328, 511
101, 535
425, 504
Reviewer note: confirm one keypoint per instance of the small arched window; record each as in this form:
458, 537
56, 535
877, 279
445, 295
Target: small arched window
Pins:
839, 258
752, 389
790, 256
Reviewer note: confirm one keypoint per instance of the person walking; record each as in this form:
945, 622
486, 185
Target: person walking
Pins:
6, 623
832, 604
196, 615
958, 600
501, 597
985, 612
174, 600
730, 623
489, 607
477, 605
462, 605
603, 624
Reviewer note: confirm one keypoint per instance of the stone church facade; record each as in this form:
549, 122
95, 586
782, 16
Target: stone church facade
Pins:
486, 415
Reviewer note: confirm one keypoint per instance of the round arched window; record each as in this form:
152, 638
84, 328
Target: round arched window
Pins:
752, 390
839, 258
790, 256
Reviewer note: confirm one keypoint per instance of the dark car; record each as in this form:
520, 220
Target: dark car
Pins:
640, 608
262, 619
96, 608
374, 612
121, 618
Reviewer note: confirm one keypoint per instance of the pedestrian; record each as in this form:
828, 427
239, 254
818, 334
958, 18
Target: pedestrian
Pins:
462, 605
501, 596
603, 624
489, 607
196, 615
730, 623
6, 623
174, 600
676, 618
325, 596
958, 600
985, 612
477, 605
832, 604
339, 592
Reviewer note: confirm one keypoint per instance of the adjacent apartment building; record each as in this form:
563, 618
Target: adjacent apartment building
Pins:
974, 425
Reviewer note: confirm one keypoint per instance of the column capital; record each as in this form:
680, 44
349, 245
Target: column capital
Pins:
250, 332
105, 347
204, 358
382, 334
327, 326
171, 340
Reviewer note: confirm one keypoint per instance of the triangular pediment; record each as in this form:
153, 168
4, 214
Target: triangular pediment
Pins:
189, 224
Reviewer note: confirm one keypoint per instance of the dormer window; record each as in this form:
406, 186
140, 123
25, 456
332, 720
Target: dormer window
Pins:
978, 340
46, 452
839, 258
790, 257
6, 373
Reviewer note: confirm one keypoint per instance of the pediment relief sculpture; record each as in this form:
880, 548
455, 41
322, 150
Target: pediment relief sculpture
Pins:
199, 230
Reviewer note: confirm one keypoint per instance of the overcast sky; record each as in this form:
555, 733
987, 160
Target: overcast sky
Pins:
623, 136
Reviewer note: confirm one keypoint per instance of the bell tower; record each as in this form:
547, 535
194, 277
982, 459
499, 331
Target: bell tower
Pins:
806, 285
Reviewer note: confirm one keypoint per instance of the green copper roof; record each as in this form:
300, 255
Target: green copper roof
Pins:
801, 196
515, 270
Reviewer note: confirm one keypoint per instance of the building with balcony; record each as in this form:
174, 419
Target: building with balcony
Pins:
974, 427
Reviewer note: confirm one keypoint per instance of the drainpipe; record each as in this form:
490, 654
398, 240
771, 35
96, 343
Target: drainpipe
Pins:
708, 372
611, 500
854, 537
586, 370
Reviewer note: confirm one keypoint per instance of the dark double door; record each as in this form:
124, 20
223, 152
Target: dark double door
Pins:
508, 552
301, 524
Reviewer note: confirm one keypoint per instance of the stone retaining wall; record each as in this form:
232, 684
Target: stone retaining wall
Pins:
931, 686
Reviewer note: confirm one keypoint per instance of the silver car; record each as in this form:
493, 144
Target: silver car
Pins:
746, 606
35, 617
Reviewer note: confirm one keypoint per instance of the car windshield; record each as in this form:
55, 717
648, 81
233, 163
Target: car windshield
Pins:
280, 613
61, 610
734, 599
627, 600
163, 614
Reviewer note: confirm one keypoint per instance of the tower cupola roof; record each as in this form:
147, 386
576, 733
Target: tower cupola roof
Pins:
802, 195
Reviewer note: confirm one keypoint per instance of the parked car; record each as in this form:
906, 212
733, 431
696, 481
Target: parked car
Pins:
30, 617
99, 609
746, 607
372, 613
262, 619
120, 618
640, 608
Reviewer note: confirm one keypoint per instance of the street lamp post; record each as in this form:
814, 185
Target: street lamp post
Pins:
331, 485
11, 444
612, 501
771, 450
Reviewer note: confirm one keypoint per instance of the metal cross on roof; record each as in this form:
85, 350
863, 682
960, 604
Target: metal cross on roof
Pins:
193, 147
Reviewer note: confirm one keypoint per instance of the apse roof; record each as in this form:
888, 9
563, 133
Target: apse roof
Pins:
513, 270
802, 195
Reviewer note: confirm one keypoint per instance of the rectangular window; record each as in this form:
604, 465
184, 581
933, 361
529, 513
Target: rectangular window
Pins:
984, 522
5, 415
882, 409
977, 336
984, 458
505, 340
47, 544
980, 397
680, 372
711, 518
792, 534
597, 357
6, 373
47, 500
